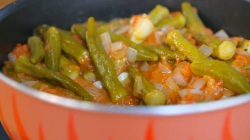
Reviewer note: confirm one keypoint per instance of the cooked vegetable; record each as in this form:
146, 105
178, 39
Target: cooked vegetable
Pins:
175, 39
223, 50
163, 51
36, 46
177, 21
68, 68
193, 21
79, 30
52, 49
22, 65
158, 13
69, 45
149, 94
232, 79
143, 54
104, 64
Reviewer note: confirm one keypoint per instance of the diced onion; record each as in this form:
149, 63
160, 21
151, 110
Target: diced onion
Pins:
137, 86
12, 57
164, 69
200, 83
158, 86
183, 92
167, 29
93, 91
158, 38
171, 84
123, 76
29, 83
206, 50
144, 66
179, 79
132, 53
167, 91
98, 84
106, 41
117, 46
122, 30
195, 91
222, 34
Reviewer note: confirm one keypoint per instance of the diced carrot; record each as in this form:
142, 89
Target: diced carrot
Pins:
176, 13
21, 50
78, 39
244, 58
136, 19
184, 68
214, 87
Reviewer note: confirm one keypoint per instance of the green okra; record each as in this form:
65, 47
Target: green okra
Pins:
37, 51
104, 64
52, 49
22, 65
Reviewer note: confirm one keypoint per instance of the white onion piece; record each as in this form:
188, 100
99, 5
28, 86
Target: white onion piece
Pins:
93, 91
167, 29
132, 53
195, 91
98, 84
12, 57
144, 66
200, 83
179, 79
206, 50
158, 38
29, 83
122, 30
106, 41
164, 69
117, 46
183, 92
167, 91
222, 34
137, 86
123, 77
158, 86
171, 84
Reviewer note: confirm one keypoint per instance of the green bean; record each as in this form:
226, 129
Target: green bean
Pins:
22, 65
68, 68
193, 21
69, 45
158, 13
36, 46
79, 30
143, 54
177, 21
149, 94
224, 50
163, 51
104, 64
175, 39
232, 78
52, 49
